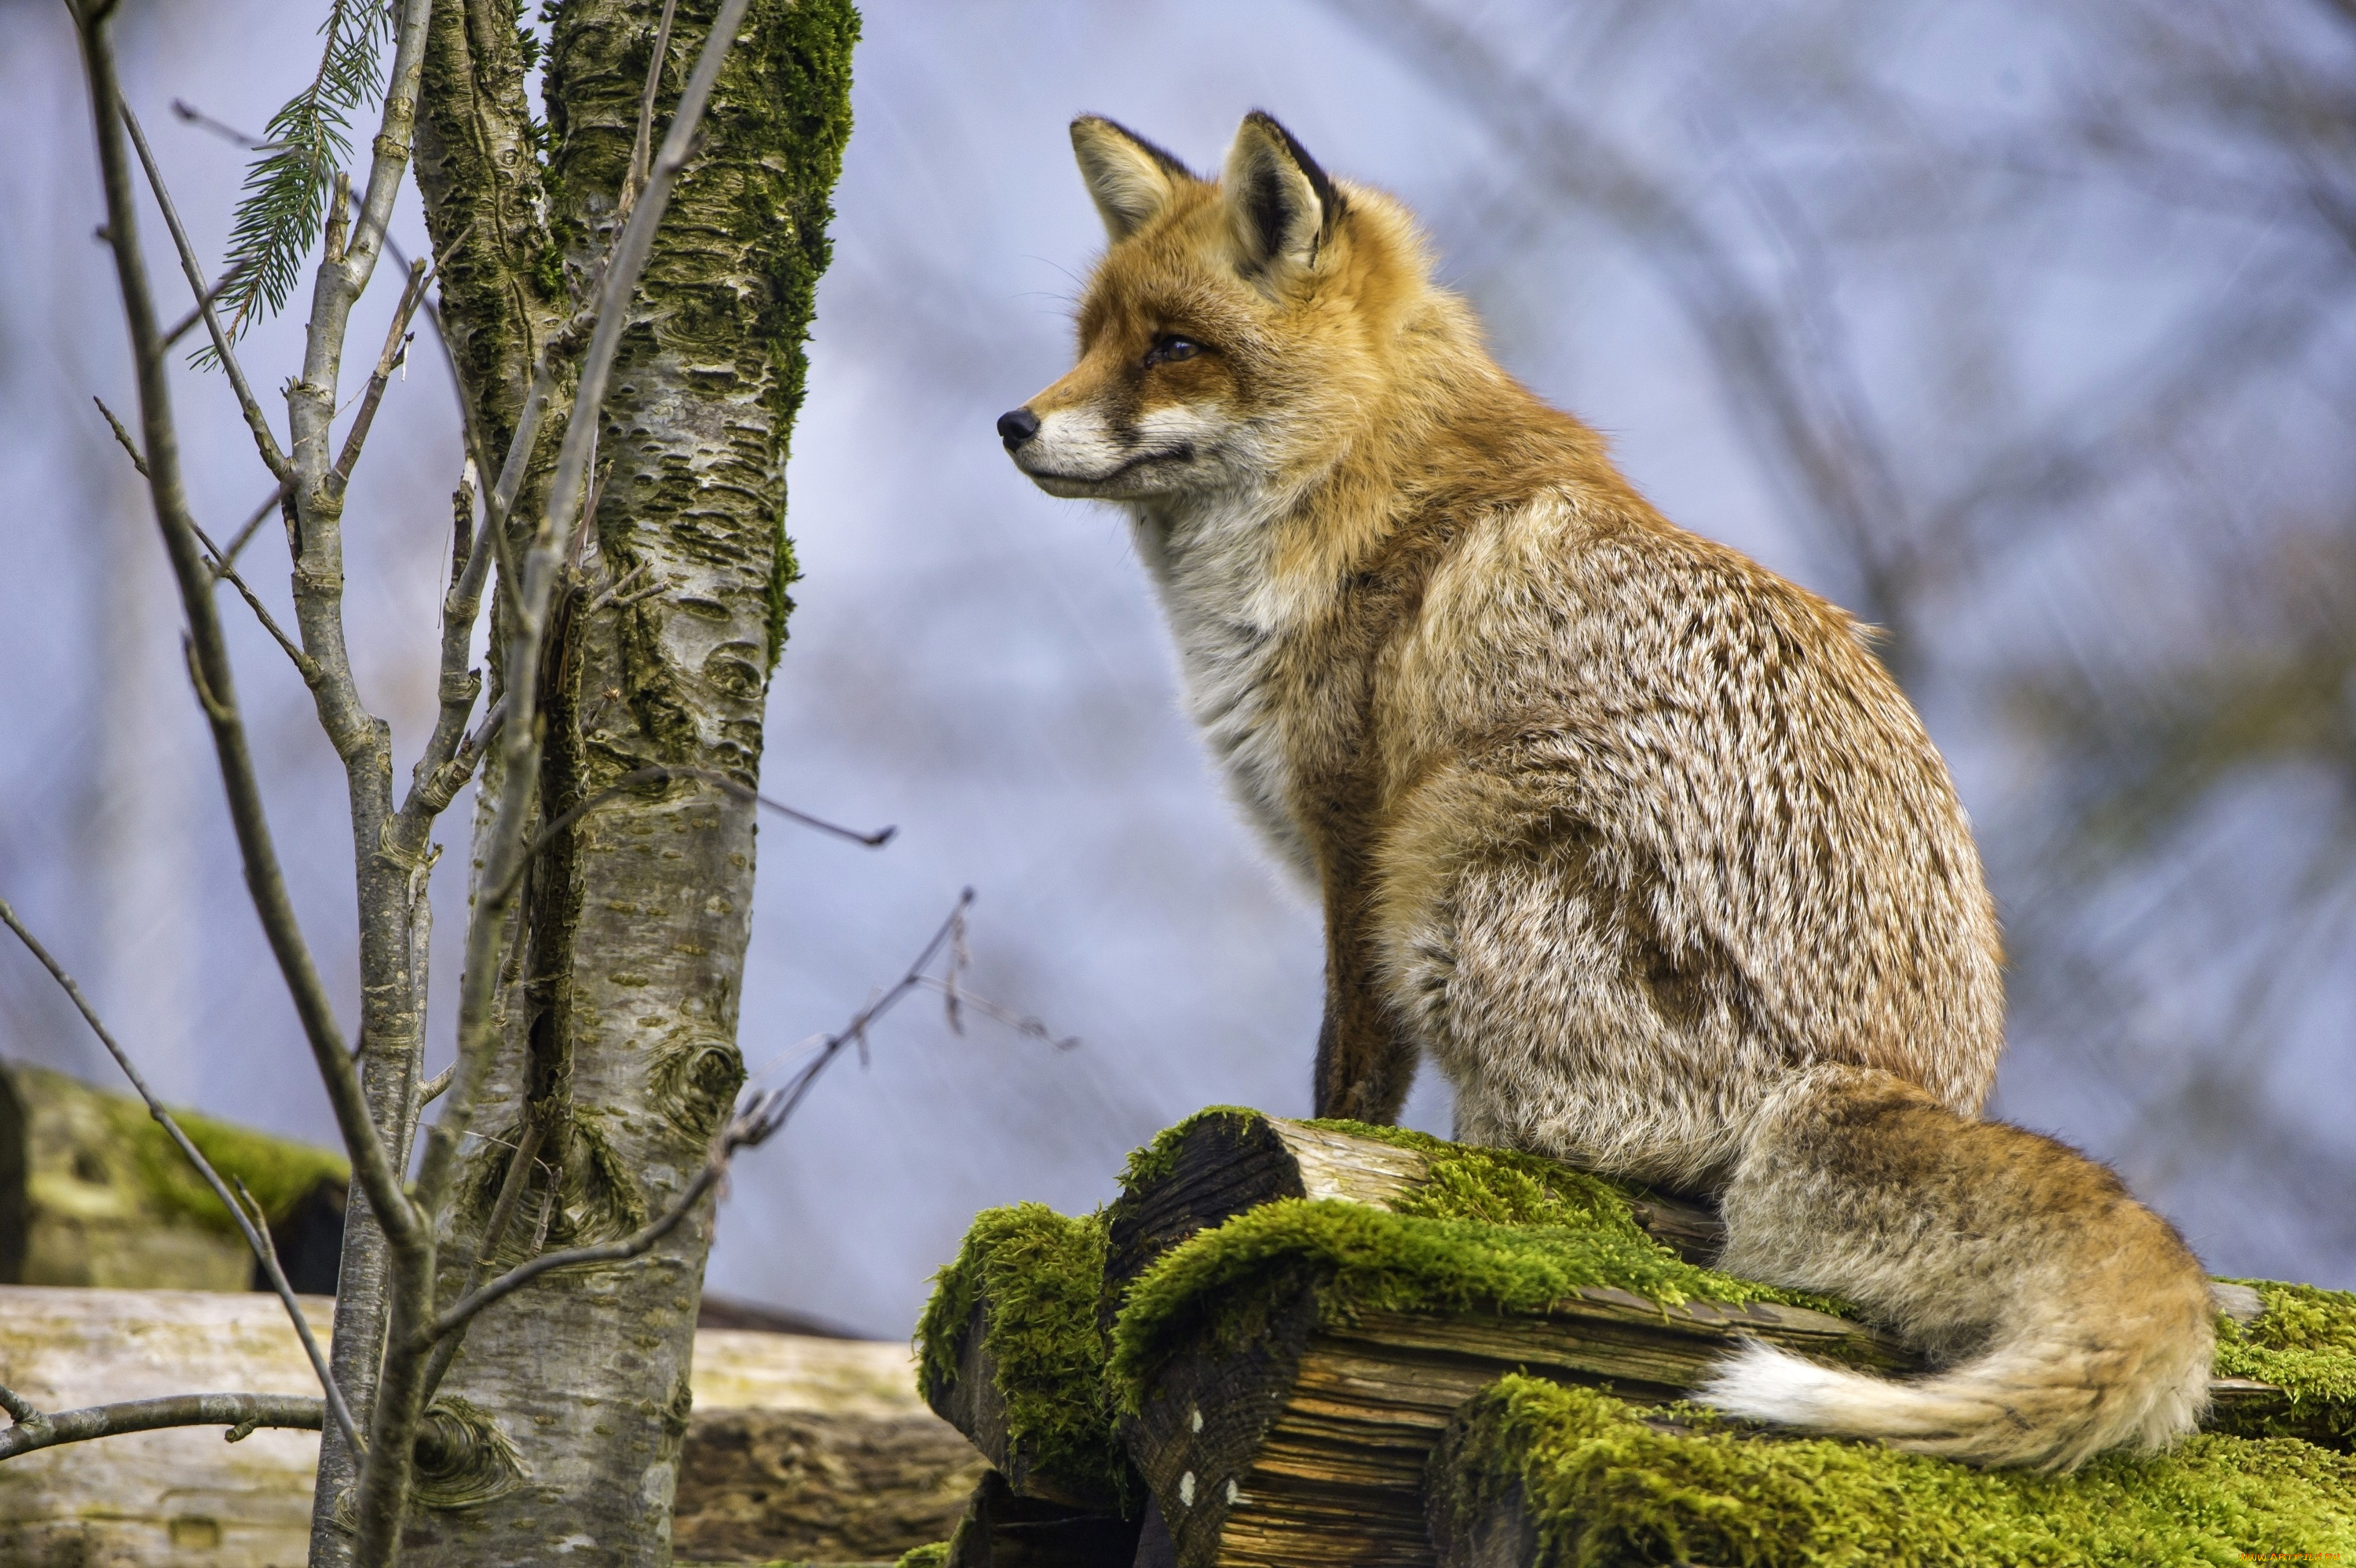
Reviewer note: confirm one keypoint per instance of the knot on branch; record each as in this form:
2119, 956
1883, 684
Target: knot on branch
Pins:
463, 1460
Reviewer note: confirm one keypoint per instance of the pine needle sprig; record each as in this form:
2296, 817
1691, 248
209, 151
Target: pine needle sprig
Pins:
286, 194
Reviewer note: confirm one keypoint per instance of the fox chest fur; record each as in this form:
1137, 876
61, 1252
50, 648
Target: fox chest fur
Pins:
1284, 666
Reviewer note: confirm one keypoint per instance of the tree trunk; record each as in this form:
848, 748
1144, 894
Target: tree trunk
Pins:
564, 1409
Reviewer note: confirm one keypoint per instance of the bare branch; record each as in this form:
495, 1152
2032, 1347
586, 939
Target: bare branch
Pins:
227, 556
1024, 1024
221, 561
477, 449
396, 340
192, 115
240, 1412
204, 301
208, 651
797, 1088
642, 143
123, 437
257, 1237
264, 441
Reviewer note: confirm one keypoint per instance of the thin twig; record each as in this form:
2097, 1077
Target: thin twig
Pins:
228, 554
396, 341
206, 301
855, 1031
272, 457
240, 1412
123, 437
218, 563
256, 1239
662, 772
477, 447
191, 114
1024, 1024
642, 143
613, 592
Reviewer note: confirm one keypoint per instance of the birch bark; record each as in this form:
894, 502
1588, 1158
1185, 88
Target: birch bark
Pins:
556, 1433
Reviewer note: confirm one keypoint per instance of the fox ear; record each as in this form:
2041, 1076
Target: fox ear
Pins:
1281, 205
1129, 179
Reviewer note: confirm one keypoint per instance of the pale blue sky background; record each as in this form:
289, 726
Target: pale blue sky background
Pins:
974, 661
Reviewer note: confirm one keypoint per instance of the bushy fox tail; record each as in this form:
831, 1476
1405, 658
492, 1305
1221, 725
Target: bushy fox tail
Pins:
2069, 1318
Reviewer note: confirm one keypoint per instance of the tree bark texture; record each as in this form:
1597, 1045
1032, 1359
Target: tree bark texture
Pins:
566, 1406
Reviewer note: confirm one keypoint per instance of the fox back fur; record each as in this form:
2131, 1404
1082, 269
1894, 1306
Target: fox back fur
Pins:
1636, 840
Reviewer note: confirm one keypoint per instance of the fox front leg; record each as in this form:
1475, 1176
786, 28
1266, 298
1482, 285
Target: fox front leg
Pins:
1366, 1063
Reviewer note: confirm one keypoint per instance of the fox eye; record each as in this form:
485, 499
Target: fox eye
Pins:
1166, 349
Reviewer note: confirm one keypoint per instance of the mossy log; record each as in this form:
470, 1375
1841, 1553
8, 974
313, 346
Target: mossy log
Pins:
94, 1193
1014, 1356
1278, 1320
1220, 1163
1287, 1373
1531, 1472
1308, 1446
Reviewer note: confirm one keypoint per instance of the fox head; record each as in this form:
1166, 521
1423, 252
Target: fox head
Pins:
1233, 336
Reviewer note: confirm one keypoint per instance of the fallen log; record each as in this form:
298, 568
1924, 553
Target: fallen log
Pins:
808, 1449
809, 1486
1292, 1315
1014, 1356
1285, 1413
93, 1192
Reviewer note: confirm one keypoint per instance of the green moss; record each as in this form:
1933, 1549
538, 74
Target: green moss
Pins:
1158, 1159
276, 1171
806, 67
1225, 1282
1041, 1273
2304, 1343
1604, 1488
937, 1555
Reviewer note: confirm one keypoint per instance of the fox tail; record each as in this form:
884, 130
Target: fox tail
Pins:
2066, 1317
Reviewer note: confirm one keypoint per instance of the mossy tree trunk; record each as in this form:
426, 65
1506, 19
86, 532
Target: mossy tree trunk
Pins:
567, 1403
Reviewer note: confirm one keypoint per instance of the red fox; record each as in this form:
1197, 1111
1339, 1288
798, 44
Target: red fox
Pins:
1636, 840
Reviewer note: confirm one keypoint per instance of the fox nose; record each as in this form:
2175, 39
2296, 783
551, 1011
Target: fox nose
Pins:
1016, 426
